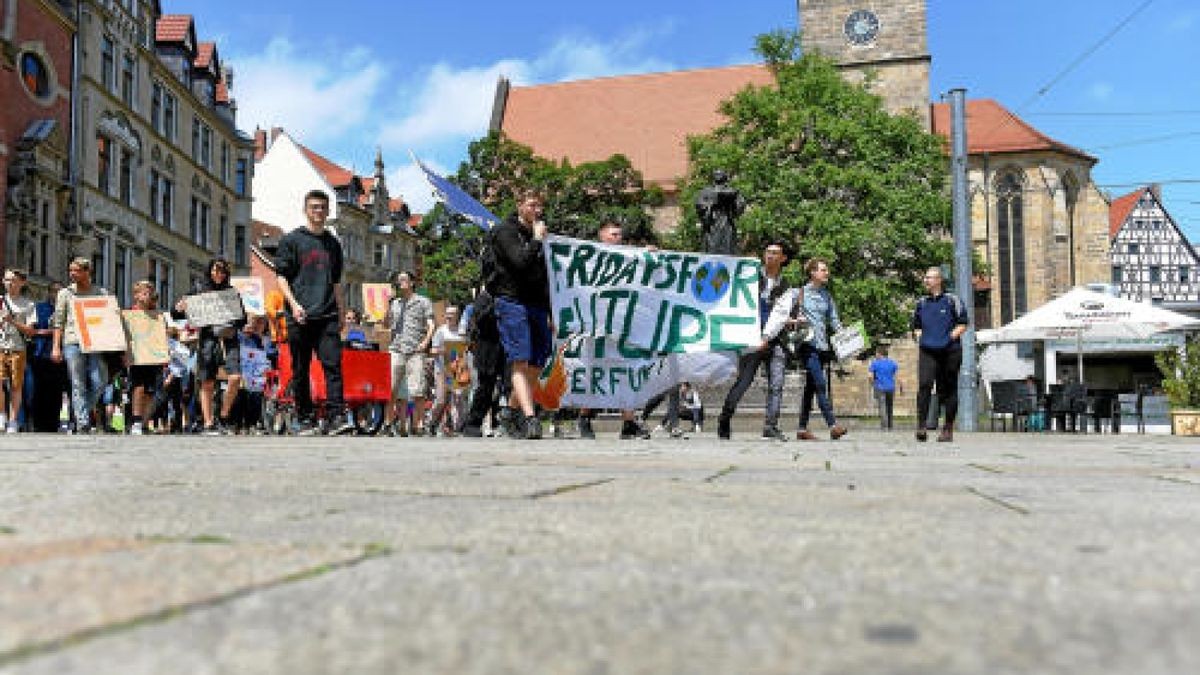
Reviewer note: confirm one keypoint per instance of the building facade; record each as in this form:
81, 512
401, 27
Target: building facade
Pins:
372, 225
35, 131
165, 176
1151, 259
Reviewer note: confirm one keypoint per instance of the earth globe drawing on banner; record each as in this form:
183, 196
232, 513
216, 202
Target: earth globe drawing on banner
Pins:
710, 282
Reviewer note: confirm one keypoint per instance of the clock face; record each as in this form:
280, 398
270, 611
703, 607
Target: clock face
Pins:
862, 27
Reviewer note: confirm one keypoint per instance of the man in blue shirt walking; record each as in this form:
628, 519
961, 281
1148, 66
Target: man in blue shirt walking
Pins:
941, 318
883, 380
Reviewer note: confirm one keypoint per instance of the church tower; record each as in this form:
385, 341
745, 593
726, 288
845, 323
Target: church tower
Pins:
886, 37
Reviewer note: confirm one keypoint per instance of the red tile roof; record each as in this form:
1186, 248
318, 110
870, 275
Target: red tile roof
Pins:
222, 94
645, 117
335, 175
1119, 210
206, 52
173, 28
992, 128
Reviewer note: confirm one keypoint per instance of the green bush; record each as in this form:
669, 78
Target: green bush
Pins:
1182, 374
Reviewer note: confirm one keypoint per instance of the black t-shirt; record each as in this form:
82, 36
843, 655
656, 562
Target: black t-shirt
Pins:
312, 264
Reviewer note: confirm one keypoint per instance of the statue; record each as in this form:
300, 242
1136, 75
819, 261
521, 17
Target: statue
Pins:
719, 205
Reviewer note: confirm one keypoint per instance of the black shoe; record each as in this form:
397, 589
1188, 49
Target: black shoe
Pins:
773, 434
632, 430
585, 429
922, 435
533, 427
723, 431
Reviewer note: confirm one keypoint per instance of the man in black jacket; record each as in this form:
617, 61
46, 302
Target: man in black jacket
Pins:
522, 294
309, 268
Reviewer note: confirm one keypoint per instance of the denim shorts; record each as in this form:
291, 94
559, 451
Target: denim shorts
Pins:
524, 332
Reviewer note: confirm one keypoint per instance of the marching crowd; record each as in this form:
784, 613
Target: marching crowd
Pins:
49, 382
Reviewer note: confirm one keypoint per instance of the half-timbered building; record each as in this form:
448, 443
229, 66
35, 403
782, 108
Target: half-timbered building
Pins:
1151, 258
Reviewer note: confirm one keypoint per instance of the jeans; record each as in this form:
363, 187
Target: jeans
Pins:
814, 385
88, 377
939, 366
885, 399
671, 396
775, 361
323, 337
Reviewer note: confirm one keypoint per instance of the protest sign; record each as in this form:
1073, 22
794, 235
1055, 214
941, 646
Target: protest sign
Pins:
253, 292
255, 365
98, 320
454, 358
147, 336
849, 341
653, 302
590, 372
214, 308
375, 301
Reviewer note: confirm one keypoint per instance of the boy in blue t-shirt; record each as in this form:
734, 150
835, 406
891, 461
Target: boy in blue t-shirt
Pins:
883, 381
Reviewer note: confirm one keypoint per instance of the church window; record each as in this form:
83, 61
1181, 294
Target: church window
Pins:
1011, 250
35, 75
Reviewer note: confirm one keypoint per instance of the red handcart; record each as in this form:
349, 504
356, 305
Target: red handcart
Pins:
366, 387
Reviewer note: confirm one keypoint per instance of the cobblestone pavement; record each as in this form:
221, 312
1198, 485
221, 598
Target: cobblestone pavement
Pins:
876, 554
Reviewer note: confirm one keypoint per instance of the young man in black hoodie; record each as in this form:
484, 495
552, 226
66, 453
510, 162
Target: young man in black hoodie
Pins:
522, 294
309, 268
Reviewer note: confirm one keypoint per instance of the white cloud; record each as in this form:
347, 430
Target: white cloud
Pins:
316, 97
1101, 91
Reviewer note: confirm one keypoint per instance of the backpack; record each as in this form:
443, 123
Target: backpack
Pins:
489, 268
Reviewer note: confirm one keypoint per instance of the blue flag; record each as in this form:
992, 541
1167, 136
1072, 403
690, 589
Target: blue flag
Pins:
457, 200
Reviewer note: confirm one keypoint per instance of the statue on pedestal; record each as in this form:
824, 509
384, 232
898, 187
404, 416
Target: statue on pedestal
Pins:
719, 205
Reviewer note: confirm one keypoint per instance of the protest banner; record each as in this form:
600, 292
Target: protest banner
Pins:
375, 301
255, 365
590, 372
253, 292
214, 308
147, 330
653, 302
98, 320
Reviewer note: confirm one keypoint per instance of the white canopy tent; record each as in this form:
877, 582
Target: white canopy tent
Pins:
1087, 316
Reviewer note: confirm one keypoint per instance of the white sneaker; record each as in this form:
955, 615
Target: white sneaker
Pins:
136, 429
12, 428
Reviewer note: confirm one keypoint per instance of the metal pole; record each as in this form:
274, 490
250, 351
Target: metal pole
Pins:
963, 275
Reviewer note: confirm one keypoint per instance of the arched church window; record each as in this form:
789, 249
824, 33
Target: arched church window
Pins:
1010, 218
35, 75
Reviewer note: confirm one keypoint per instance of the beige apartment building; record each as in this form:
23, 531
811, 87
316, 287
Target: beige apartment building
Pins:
164, 173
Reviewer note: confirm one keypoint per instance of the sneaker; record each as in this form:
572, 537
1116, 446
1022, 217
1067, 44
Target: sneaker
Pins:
773, 434
585, 429
306, 428
12, 428
533, 428
136, 429
922, 435
344, 428
723, 431
212, 431
632, 430
947, 435
837, 432
805, 435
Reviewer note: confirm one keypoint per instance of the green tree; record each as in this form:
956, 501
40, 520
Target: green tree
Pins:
824, 166
578, 199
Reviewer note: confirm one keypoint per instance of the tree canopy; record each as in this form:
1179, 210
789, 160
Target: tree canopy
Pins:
825, 167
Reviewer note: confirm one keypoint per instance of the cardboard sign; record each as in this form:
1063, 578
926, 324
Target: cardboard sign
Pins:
255, 365
452, 351
147, 336
214, 308
375, 301
253, 294
98, 320
849, 341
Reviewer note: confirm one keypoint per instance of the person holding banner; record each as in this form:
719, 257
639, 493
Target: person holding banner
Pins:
818, 314
522, 294
87, 371
217, 348
308, 263
941, 319
148, 377
17, 315
775, 303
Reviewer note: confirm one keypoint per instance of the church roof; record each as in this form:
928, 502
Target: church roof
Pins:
992, 128
647, 118
1119, 210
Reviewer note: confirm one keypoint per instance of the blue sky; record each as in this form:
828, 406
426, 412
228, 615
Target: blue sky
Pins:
420, 75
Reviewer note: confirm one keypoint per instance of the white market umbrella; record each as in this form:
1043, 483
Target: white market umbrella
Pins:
1090, 316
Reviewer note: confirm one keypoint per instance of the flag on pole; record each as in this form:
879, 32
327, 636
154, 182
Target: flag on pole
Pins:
457, 200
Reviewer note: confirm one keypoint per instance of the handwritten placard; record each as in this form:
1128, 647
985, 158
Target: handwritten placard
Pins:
255, 365
147, 336
375, 301
99, 323
214, 308
253, 293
